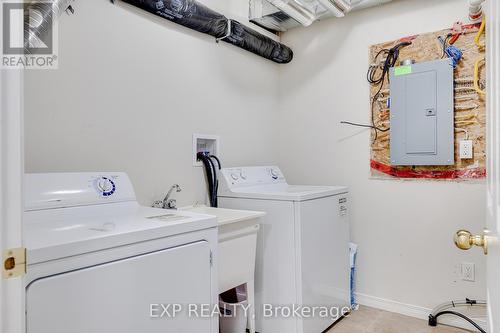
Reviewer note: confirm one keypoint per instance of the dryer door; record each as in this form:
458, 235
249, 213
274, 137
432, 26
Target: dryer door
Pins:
124, 296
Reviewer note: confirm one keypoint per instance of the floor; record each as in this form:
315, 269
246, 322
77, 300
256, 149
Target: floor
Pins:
369, 320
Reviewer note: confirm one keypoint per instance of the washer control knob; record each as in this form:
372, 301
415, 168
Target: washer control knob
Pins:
275, 173
234, 176
104, 185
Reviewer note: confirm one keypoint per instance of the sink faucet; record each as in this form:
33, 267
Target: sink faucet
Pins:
167, 203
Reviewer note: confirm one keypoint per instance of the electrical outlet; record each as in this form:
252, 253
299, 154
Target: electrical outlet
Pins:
468, 271
466, 149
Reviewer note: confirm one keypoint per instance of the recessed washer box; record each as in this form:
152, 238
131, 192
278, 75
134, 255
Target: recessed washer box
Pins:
205, 143
422, 114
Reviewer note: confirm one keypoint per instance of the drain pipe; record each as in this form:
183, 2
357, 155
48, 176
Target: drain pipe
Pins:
476, 10
38, 20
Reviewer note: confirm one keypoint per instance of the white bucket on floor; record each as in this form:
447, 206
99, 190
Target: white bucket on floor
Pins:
233, 317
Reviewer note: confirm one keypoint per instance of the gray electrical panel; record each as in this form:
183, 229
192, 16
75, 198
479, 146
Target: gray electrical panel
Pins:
422, 114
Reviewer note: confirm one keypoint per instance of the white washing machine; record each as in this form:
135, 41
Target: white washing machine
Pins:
303, 248
98, 262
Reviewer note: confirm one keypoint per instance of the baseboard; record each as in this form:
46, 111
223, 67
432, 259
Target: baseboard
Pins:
414, 311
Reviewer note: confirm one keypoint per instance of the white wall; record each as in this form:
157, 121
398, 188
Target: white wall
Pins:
132, 88
404, 228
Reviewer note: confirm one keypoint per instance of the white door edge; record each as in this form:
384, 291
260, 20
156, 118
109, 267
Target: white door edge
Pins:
12, 307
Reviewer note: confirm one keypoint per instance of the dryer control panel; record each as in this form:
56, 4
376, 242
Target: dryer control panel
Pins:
252, 176
58, 190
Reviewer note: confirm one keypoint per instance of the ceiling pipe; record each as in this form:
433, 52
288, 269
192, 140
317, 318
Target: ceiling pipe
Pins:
196, 16
38, 18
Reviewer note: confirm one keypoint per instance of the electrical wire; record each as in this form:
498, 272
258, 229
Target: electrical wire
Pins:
476, 77
444, 42
477, 40
463, 130
450, 51
356, 124
444, 309
372, 70
391, 58
456, 303
454, 53
458, 314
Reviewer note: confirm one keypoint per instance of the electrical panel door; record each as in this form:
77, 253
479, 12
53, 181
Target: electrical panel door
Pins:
422, 114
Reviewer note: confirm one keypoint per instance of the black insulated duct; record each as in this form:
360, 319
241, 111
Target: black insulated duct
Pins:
193, 15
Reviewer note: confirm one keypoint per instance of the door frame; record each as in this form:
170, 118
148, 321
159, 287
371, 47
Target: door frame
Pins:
493, 143
12, 291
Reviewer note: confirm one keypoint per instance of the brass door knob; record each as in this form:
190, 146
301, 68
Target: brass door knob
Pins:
464, 240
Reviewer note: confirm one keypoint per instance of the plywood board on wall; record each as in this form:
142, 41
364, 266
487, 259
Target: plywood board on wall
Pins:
470, 109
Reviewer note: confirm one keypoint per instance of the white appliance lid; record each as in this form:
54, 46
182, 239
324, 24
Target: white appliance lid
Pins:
269, 183
65, 232
286, 192
80, 221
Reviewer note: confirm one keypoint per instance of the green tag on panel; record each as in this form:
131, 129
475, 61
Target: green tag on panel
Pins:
402, 70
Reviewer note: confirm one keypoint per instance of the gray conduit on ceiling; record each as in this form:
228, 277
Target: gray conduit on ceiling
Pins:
194, 15
38, 20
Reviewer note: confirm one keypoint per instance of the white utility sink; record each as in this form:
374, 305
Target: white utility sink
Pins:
226, 216
238, 231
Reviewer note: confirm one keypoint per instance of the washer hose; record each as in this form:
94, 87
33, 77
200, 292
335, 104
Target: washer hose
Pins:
211, 172
433, 319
